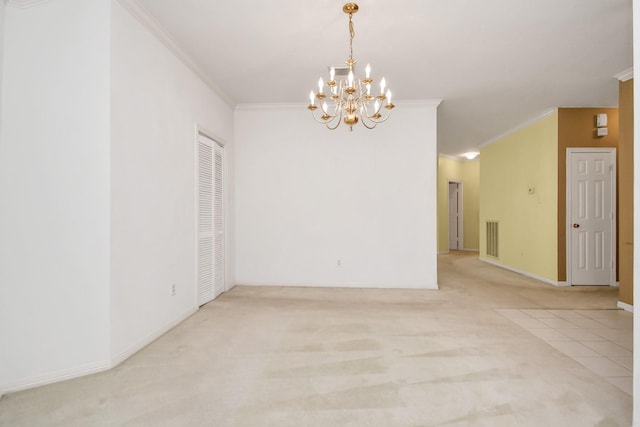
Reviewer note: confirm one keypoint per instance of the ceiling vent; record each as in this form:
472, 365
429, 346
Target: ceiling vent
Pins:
341, 70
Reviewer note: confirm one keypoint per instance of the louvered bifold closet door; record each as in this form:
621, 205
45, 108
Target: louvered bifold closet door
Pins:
211, 220
218, 224
205, 221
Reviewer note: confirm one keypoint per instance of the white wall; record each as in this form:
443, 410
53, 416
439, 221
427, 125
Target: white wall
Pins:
2, 6
307, 197
54, 192
156, 102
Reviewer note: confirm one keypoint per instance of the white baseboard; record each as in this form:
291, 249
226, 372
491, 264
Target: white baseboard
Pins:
625, 306
339, 285
54, 377
93, 368
133, 349
448, 251
525, 273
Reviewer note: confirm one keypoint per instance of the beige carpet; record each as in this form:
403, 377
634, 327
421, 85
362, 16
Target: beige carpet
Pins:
349, 357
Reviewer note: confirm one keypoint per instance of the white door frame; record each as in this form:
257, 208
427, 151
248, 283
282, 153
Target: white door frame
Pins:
460, 213
568, 222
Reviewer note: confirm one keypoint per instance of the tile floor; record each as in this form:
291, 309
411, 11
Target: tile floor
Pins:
600, 340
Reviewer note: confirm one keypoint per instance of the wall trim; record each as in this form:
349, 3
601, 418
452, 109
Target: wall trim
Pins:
339, 285
625, 306
133, 349
56, 376
524, 273
519, 127
93, 368
149, 22
435, 102
303, 106
458, 158
625, 75
450, 157
24, 4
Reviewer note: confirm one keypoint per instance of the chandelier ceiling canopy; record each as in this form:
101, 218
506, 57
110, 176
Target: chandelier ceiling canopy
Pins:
350, 99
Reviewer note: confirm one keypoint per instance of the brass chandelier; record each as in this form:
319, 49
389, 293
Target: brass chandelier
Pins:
351, 98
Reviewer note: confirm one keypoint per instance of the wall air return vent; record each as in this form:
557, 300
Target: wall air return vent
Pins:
492, 239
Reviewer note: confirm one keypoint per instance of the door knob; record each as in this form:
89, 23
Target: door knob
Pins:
576, 225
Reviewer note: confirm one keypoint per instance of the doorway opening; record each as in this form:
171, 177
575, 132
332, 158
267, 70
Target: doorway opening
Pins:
455, 216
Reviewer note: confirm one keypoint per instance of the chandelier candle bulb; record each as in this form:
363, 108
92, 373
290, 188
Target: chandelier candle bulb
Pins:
367, 71
320, 85
332, 74
312, 98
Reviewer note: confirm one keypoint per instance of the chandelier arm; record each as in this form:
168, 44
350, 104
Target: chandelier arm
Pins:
370, 118
335, 127
339, 116
364, 123
382, 120
320, 120
367, 119
365, 112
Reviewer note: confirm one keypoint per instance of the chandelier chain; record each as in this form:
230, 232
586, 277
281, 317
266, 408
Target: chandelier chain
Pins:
352, 33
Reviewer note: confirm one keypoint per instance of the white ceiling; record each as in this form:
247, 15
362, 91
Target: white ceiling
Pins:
495, 63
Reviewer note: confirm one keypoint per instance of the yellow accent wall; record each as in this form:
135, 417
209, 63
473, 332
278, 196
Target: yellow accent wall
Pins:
528, 228
467, 172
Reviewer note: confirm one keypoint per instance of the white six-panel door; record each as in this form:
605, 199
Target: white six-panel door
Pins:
210, 222
591, 216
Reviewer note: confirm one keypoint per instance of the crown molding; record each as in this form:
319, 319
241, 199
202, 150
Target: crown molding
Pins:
23, 4
418, 102
272, 106
459, 158
625, 75
149, 22
521, 126
303, 106
449, 157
